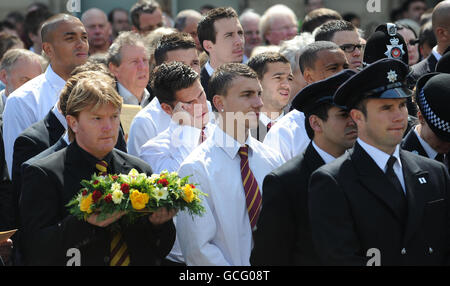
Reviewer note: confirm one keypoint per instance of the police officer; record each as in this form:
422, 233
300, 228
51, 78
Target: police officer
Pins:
431, 137
378, 204
284, 221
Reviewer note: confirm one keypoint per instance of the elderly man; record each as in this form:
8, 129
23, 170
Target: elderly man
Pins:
187, 21
250, 23
65, 42
278, 23
128, 61
99, 30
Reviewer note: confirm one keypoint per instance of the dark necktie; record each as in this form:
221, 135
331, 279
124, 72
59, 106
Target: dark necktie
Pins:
392, 176
253, 196
118, 248
440, 158
271, 123
203, 135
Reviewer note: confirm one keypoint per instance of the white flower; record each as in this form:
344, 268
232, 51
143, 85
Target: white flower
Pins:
161, 193
117, 196
115, 187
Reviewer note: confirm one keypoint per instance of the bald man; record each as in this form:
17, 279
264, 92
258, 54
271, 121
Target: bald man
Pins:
65, 43
99, 30
441, 26
187, 21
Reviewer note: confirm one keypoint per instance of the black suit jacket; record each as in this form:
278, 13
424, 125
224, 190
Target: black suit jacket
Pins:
353, 209
48, 230
204, 80
425, 66
283, 235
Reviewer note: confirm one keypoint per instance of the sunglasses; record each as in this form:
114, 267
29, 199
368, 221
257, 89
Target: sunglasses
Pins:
349, 48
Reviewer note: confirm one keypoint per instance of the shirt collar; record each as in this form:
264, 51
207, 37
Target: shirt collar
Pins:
93, 160
54, 79
229, 144
327, 158
128, 97
437, 55
209, 68
428, 149
381, 158
266, 120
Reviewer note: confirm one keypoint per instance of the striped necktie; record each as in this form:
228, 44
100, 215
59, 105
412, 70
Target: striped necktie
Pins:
271, 123
253, 196
118, 248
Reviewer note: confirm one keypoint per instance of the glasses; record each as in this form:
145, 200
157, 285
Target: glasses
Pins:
349, 48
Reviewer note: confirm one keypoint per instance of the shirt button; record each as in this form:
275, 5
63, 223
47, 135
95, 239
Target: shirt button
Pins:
403, 251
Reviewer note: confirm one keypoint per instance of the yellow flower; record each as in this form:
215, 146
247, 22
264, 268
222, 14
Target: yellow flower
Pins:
188, 195
85, 204
138, 199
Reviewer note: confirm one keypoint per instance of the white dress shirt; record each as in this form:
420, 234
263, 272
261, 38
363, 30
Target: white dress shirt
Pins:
167, 151
431, 153
222, 236
289, 135
436, 54
381, 158
326, 157
28, 104
148, 122
128, 97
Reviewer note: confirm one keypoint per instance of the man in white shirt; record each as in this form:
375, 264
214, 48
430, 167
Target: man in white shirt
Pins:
177, 86
229, 166
275, 75
128, 61
319, 61
221, 36
152, 120
64, 41
284, 220
378, 204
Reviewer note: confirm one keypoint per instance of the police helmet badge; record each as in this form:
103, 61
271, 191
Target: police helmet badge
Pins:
394, 50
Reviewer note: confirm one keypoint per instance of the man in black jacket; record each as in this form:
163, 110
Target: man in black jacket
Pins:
48, 230
378, 204
284, 221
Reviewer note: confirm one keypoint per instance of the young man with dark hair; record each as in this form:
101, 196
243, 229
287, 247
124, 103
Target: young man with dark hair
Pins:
378, 204
275, 75
221, 36
178, 47
230, 167
413, 9
284, 217
317, 17
346, 36
146, 16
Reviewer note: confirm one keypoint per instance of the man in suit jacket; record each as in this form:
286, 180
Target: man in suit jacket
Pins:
214, 32
378, 204
440, 20
284, 220
48, 230
430, 138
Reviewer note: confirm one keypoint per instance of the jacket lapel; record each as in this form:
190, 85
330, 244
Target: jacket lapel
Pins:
411, 143
374, 180
312, 158
54, 127
416, 181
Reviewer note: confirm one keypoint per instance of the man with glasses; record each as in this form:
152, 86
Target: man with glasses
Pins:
278, 23
346, 36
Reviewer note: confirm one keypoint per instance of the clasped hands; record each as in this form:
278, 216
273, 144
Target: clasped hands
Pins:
160, 216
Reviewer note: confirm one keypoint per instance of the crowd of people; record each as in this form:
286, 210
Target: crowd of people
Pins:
316, 142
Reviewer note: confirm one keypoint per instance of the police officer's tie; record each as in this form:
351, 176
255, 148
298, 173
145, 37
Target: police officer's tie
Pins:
392, 176
253, 196
118, 249
398, 199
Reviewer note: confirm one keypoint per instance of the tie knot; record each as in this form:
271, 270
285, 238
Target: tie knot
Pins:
391, 162
271, 123
102, 167
243, 151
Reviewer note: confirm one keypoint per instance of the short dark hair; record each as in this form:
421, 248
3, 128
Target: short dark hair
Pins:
309, 56
259, 62
113, 11
52, 23
426, 35
142, 6
320, 111
222, 78
34, 19
168, 78
172, 42
326, 31
205, 28
317, 17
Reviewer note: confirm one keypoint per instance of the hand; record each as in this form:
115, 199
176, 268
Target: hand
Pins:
93, 219
162, 215
6, 250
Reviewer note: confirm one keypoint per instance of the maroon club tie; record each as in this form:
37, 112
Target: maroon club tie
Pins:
253, 196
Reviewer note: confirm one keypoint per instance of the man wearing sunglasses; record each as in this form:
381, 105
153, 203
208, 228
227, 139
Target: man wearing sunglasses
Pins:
346, 36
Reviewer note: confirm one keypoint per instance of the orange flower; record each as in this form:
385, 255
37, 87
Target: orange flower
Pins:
188, 193
138, 199
85, 204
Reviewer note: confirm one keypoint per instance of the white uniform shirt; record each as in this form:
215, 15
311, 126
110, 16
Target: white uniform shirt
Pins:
128, 97
222, 236
288, 136
28, 104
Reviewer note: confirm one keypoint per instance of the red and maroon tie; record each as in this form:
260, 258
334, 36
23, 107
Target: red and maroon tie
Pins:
253, 196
